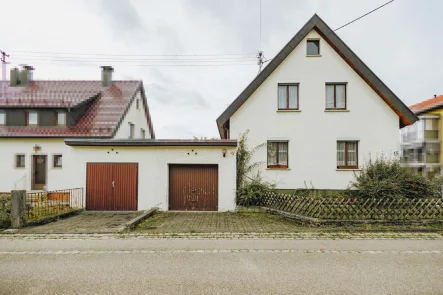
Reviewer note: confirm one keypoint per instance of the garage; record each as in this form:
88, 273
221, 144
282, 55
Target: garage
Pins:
111, 186
193, 187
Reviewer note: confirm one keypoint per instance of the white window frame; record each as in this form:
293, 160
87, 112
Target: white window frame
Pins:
54, 163
58, 118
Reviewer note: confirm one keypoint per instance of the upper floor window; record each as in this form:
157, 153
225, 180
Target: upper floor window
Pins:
131, 131
313, 47
277, 154
288, 96
335, 96
61, 118
347, 154
2, 118
32, 118
143, 133
137, 102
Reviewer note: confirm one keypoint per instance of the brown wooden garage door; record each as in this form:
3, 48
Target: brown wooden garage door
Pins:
193, 187
111, 186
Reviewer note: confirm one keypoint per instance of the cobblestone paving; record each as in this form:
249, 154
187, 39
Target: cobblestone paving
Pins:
194, 222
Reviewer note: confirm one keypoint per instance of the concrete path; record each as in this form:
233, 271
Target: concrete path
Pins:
85, 222
189, 266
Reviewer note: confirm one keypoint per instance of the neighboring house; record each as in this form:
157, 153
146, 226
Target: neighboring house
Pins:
421, 142
320, 110
98, 135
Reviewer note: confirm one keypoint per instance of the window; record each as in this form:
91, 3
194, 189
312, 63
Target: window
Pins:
288, 96
32, 118
61, 118
20, 161
137, 102
277, 154
347, 154
58, 163
143, 133
2, 118
131, 131
313, 47
336, 96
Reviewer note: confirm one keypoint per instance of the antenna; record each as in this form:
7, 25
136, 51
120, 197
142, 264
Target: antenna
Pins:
3, 60
260, 55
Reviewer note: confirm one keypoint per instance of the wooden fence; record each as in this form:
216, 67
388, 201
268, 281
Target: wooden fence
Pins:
348, 208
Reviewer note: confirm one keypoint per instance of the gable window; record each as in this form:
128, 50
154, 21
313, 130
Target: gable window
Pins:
313, 47
58, 161
277, 154
2, 118
143, 133
137, 102
131, 131
32, 118
20, 161
61, 118
288, 96
335, 96
347, 154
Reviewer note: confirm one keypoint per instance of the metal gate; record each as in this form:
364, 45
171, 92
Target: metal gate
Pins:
111, 186
193, 187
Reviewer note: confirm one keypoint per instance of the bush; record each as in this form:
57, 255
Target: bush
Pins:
386, 178
252, 191
5, 211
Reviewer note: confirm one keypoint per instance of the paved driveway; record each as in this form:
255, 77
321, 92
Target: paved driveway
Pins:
85, 222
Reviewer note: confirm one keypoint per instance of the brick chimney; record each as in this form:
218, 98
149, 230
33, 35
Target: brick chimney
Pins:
107, 75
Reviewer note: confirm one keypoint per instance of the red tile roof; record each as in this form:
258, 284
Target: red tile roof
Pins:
100, 119
427, 105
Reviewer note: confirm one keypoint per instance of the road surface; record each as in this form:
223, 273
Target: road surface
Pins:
181, 266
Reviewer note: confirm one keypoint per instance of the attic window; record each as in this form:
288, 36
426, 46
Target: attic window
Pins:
32, 118
2, 118
313, 47
137, 103
61, 118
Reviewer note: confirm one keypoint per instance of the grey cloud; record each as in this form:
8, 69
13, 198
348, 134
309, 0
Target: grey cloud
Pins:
169, 95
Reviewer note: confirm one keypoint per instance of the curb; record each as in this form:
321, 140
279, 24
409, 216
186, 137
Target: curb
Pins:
135, 221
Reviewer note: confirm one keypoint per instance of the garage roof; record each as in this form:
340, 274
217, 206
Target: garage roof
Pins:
150, 142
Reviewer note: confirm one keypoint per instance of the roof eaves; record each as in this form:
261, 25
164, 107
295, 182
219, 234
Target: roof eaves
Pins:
147, 142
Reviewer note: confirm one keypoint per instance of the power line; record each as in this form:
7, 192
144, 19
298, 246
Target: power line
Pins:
364, 15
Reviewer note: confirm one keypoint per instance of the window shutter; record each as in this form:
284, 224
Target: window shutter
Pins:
340, 92
282, 97
329, 96
293, 97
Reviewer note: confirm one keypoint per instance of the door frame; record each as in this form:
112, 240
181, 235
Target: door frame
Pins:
33, 156
137, 182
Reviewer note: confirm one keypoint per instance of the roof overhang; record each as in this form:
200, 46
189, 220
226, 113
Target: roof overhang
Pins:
407, 117
149, 142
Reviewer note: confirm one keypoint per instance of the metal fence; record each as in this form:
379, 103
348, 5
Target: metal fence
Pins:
348, 208
43, 204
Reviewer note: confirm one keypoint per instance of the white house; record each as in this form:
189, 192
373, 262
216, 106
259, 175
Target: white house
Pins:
98, 136
320, 110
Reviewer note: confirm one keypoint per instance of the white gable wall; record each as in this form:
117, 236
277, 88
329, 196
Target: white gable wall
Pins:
312, 132
136, 117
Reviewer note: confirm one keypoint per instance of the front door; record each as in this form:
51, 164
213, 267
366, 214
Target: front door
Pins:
39, 167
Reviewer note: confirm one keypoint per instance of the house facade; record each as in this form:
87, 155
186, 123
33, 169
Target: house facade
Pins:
98, 136
421, 142
319, 111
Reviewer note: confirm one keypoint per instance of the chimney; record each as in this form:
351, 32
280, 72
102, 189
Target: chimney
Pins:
435, 95
26, 75
14, 77
107, 75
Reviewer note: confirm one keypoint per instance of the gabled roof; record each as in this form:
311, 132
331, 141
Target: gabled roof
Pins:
427, 105
105, 110
407, 117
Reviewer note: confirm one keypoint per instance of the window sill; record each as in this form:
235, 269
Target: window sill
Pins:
337, 111
313, 55
288, 111
286, 169
19, 167
348, 169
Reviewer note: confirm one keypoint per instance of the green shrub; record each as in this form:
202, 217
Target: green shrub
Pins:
252, 191
5, 211
384, 177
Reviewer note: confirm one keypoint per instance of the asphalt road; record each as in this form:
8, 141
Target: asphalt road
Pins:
134, 266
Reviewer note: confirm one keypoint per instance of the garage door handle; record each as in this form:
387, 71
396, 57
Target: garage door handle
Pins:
112, 183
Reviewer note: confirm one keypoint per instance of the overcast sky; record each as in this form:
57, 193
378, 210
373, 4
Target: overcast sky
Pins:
402, 43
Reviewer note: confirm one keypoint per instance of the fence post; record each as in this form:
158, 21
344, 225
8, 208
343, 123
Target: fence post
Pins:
18, 208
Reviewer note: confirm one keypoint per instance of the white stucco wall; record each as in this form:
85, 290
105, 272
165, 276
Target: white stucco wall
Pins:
153, 169
136, 117
312, 132
20, 178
